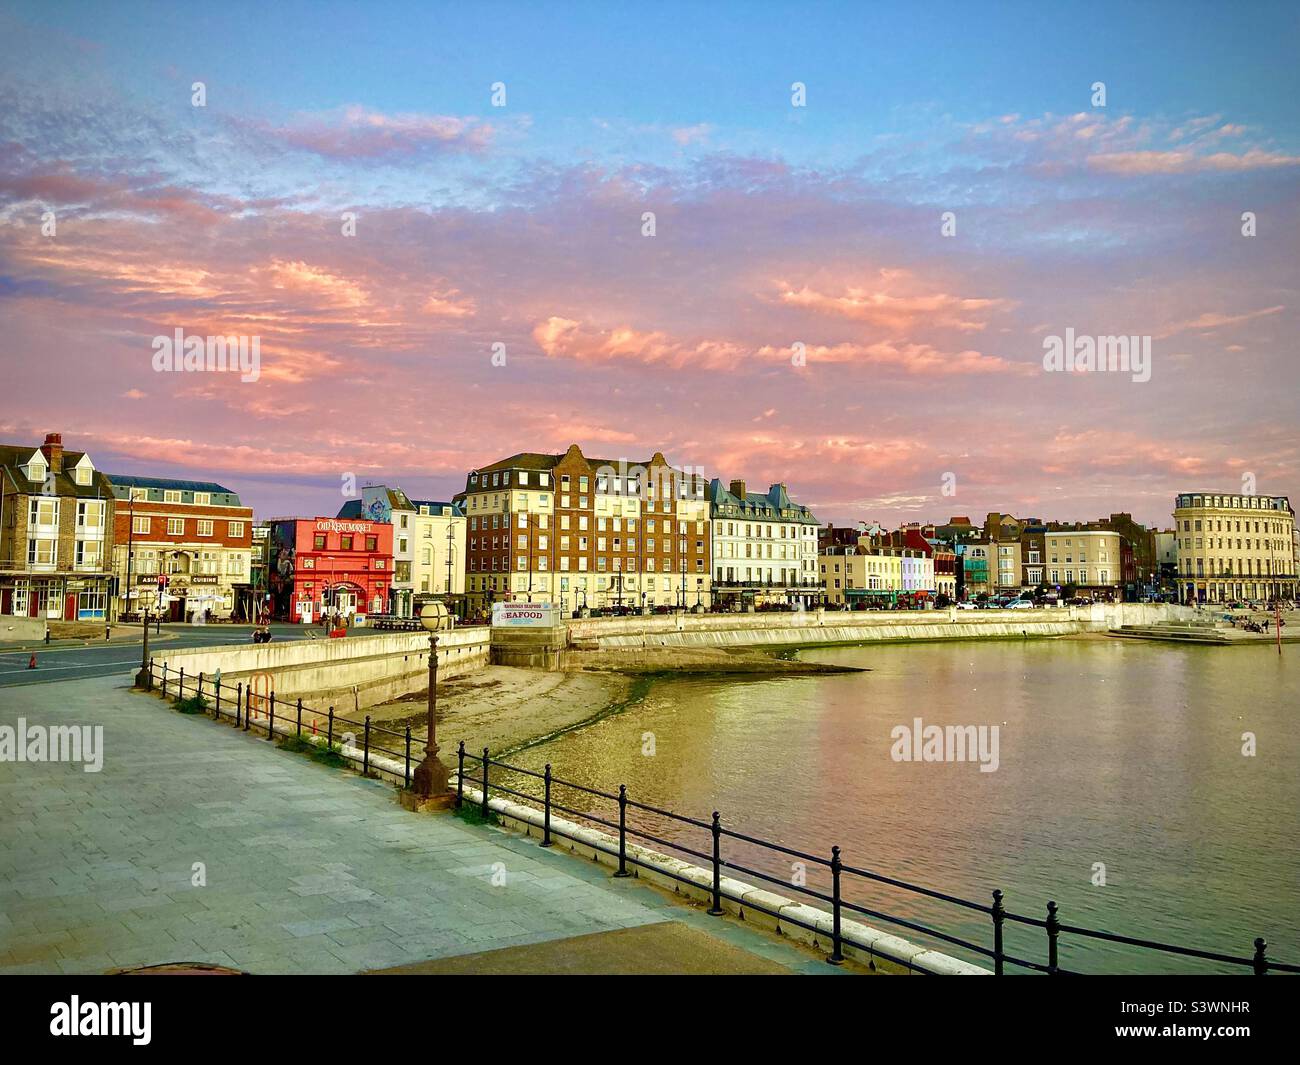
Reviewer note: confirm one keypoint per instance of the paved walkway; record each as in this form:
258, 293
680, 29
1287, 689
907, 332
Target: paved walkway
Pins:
308, 869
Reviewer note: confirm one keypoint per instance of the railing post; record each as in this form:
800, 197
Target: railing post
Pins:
406, 779
200, 692
248, 705
270, 721
365, 753
999, 915
216, 694
239, 701
716, 909
460, 774
164, 683
1053, 930
151, 672
329, 736
485, 782
546, 809
1260, 961
299, 717
837, 955
180, 685
622, 831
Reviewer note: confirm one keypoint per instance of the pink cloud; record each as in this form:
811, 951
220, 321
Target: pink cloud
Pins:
356, 132
1185, 162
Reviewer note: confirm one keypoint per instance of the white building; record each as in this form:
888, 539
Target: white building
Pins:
764, 547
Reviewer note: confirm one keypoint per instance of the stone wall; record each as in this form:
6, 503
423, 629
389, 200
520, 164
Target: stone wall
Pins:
324, 672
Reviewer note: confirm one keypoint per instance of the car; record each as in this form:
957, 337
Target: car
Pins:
966, 606
1020, 604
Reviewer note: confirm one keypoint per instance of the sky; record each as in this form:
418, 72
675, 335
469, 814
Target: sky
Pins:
821, 244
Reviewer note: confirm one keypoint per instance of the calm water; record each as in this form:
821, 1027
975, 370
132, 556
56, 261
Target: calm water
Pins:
1117, 752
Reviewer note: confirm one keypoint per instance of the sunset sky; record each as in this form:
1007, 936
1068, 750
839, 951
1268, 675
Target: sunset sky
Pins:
774, 225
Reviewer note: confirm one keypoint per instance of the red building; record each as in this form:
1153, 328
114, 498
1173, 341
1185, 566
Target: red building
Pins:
328, 565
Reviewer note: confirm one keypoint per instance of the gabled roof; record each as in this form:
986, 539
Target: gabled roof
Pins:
760, 505
13, 457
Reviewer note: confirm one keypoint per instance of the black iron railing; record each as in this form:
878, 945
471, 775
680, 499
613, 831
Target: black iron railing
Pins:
248, 709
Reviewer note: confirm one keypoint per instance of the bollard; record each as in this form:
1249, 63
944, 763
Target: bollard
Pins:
837, 955
716, 909
485, 783
200, 685
180, 685
239, 701
999, 915
1053, 927
622, 831
299, 733
329, 736
248, 705
106, 630
164, 683
546, 812
460, 774
216, 692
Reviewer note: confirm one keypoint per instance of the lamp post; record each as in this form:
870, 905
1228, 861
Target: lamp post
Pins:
431, 776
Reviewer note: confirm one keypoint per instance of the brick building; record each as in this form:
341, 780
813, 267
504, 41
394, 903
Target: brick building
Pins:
56, 514
585, 532
196, 534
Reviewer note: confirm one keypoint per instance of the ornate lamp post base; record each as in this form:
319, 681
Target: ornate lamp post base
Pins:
430, 778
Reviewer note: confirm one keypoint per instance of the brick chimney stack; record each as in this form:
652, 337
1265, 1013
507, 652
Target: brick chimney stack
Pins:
737, 489
52, 449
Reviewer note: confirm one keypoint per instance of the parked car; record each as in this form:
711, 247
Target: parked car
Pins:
967, 606
1020, 604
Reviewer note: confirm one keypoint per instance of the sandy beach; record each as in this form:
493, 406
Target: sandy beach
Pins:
503, 707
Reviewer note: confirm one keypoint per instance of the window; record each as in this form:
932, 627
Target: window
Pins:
345, 543
319, 542
90, 514
89, 553
36, 471
205, 527
175, 526
203, 499
171, 496
43, 511
235, 529
42, 552
139, 525
83, 475
372, 543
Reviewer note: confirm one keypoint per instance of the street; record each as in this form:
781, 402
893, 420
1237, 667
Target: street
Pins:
123, 656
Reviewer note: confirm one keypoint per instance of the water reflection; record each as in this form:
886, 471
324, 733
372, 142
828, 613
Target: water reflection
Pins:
1112, 753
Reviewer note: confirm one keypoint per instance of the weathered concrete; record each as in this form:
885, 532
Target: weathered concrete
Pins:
815, 627
324, 672
305, 869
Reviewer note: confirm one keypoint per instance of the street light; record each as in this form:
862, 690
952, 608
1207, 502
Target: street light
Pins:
431, 776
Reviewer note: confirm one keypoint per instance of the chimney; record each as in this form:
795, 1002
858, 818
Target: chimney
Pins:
737, 489
52, 449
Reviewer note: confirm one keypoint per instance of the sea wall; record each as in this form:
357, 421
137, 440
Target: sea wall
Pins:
325, 672
867, 626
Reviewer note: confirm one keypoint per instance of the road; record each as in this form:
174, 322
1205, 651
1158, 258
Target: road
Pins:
123, 656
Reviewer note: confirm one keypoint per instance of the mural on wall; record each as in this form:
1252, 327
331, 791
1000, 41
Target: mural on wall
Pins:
375, 505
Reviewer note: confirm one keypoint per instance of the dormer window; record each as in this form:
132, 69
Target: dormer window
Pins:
36, 471
84, 474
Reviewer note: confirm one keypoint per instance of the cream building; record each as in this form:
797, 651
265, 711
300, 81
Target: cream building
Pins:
764, 547
1090, 559
1234, 547
864, 575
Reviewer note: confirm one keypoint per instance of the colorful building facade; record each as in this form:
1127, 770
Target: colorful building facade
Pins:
329, 566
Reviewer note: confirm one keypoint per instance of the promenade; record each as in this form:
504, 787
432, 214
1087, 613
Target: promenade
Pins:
307, 869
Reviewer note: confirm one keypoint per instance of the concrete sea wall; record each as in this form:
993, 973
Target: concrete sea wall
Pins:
848, 627
324, 672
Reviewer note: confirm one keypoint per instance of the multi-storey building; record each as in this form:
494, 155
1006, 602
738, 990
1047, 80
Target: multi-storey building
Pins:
428, 546
1087, 562
1033, 556
764, 547
867, 575
976, 573
1234, 547
586, 532
327, 566
196, 534
56, 520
